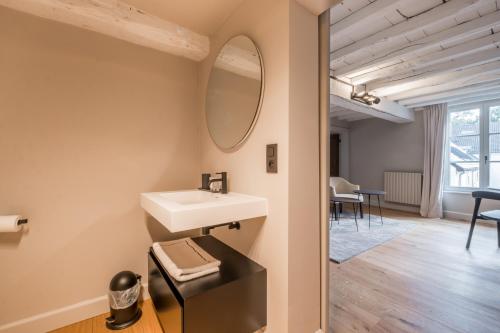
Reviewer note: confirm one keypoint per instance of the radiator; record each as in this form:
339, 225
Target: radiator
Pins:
403, 187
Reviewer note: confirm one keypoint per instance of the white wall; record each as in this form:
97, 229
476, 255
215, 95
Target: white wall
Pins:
87, 122
287, 246
303, 205
460, 205
378, 145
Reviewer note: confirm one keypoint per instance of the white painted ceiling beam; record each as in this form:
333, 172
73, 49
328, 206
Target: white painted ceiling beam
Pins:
334, 108
460, 83
339, 113
388, 56
386, 109
354, 116
372, 10
370, 111
463, 49
486, 92
489, 68
474, 100
119, 20
437, 14
450, 93
451, 99
423, 73
239, 61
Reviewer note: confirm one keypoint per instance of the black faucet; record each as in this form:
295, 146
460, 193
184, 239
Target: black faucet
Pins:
222, 179
206, 181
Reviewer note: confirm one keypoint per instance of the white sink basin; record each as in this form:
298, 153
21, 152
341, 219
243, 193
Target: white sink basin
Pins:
192, 209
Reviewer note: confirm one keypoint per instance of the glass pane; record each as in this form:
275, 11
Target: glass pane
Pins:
463, 174
495, 175
495, 147
464, 148
464, 122
495, 119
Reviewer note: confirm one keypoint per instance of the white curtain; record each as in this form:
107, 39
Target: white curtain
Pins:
434, 135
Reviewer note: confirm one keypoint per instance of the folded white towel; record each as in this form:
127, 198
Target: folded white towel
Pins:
187, 277
184, 260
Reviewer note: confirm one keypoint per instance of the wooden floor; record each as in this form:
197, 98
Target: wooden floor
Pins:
147, 324
422, 281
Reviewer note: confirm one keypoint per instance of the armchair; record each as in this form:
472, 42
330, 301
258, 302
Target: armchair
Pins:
339, 187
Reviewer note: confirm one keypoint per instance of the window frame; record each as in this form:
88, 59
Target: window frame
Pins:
484, 151
487, 134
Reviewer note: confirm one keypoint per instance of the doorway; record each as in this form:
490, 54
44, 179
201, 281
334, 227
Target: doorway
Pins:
335, 155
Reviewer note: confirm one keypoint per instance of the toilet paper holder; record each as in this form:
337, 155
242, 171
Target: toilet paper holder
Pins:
12, 223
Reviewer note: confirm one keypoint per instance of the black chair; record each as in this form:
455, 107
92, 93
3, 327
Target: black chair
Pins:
493, 215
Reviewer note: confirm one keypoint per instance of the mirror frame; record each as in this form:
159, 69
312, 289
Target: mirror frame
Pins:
259, 105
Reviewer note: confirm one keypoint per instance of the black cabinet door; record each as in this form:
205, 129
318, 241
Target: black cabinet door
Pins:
168, 309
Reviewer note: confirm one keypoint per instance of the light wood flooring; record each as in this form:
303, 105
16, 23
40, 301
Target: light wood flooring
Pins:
147, 324
422, 281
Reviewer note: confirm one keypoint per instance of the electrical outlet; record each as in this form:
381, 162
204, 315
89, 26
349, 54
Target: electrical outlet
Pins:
272, 158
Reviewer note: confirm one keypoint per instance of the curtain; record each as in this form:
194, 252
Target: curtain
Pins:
434, 136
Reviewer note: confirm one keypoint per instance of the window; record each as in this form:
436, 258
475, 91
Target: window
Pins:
473, 147
494, 146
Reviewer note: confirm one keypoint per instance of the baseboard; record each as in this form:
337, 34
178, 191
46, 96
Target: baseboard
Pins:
393, 206
319, 331
457, 215
466, 217
64, 316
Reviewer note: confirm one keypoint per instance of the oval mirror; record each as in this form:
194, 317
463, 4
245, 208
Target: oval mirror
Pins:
234, 92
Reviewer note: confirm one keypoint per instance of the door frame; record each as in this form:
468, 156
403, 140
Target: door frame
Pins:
324, 146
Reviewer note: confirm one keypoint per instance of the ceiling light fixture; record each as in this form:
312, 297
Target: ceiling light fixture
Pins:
365, 98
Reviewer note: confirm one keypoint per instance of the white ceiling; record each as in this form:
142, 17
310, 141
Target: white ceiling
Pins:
206, 16
418, 53
318, 6
348, 115
201, 16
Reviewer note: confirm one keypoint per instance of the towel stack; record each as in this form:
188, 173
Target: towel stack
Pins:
185, 260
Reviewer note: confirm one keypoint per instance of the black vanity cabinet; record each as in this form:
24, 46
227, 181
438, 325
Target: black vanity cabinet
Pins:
232, 300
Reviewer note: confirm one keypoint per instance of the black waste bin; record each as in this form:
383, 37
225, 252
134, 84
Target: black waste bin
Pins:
124, 290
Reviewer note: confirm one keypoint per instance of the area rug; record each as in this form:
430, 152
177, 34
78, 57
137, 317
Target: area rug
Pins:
346, 242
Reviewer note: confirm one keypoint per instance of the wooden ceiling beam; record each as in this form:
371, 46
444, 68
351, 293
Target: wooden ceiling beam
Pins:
341, 113
450, 93
435, 80
354, 116
454, 65
405, 116
447, 86
340, 95
374, 9
451, 99
119, 20
478, 99
437, 14
389, 56
449, 54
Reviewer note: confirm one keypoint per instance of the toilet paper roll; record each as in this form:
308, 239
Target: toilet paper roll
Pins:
10, 223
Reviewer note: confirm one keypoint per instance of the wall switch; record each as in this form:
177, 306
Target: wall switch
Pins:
272, 158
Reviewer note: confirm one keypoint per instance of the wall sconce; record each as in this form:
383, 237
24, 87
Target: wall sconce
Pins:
365, 98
